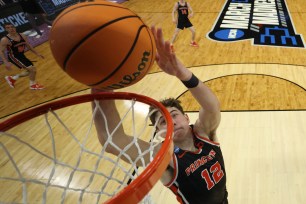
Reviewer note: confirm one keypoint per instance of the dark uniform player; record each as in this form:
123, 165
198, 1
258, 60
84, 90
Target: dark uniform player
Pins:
15, 43
183, 13
199, 176
15, 52
182, 21
196, 171
32, 12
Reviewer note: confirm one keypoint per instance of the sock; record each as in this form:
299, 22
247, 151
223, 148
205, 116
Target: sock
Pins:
15, 77
32, 82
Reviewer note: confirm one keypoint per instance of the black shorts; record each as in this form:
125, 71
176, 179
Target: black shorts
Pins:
184, 23
20, 60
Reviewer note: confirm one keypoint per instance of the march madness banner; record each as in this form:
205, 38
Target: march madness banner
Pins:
267, 22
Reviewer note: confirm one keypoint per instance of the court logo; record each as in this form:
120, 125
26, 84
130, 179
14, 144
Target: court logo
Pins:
267, 22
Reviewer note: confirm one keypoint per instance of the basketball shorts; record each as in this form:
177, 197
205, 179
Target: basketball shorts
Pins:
20, 61
183, 23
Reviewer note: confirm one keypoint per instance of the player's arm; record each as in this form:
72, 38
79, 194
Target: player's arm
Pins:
30, 46
3, 44
209, 114
190, 10
120, 138
174, 10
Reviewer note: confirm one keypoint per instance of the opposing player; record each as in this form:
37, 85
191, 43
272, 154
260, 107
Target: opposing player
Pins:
184, 12
34, 12
196, 172
15, 44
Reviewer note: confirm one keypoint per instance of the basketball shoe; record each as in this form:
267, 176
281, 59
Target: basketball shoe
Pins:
10, 81
36, 87
194, 44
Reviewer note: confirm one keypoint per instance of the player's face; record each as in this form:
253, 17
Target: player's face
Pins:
180, 122
10, 29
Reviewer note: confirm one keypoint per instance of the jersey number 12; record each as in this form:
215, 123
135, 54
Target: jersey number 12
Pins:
216, 175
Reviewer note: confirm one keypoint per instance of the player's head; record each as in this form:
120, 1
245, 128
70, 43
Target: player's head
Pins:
179, 118
169, 102
9, 27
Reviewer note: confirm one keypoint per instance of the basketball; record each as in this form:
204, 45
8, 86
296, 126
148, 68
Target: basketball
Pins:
102, 44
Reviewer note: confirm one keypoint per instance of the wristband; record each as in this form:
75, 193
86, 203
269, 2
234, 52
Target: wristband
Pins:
192, 82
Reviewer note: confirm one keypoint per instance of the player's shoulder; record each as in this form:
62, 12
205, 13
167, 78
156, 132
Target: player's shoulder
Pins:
22, 35
203, 132
4, 39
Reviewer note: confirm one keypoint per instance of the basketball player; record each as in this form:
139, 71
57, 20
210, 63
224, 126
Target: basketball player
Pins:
196, 172
182, 21
32, 12
15, 43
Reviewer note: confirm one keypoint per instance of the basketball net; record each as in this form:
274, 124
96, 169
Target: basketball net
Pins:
57, 158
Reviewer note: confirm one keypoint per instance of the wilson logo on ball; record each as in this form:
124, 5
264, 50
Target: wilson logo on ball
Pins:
129, 79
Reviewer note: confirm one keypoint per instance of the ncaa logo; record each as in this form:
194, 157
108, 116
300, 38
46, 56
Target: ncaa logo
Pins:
229, 34
265, 22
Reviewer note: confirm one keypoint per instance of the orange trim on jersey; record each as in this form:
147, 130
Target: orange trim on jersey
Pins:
193, 152
204, 139
174, 189
175, 173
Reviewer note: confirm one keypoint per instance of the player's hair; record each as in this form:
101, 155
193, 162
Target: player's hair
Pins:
168, 102
7, 23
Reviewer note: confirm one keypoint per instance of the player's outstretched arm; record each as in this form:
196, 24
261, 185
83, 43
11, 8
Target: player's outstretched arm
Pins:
174, 18
120, 138
190, 10
209, 114
30, 46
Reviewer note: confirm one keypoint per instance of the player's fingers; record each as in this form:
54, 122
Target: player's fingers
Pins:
157, 41
157, 57
153, 30
160, 38
167, 47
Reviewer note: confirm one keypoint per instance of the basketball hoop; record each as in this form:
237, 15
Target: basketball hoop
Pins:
39, 167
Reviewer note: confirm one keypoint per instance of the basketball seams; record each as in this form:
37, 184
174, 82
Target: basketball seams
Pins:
123, 65
63, 14
124, 60
90, 34
152, 44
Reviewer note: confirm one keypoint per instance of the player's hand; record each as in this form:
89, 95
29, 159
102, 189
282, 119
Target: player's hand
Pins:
190, 15
174, 21
166, 59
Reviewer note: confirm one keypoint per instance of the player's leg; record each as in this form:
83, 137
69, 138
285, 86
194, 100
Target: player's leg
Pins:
46, 20
32, 76
28, 68
193, 35
189, 25
192, 30
175, 34
18, 61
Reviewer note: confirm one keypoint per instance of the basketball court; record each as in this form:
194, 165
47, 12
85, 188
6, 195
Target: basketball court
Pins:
261, 87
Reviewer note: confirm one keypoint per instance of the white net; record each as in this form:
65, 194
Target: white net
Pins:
57, 158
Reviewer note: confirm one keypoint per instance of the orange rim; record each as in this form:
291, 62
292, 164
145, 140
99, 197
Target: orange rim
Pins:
139, 187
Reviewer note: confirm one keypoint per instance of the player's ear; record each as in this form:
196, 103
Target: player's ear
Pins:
187, 117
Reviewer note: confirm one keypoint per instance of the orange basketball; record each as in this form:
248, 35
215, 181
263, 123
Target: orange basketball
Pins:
102, 44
